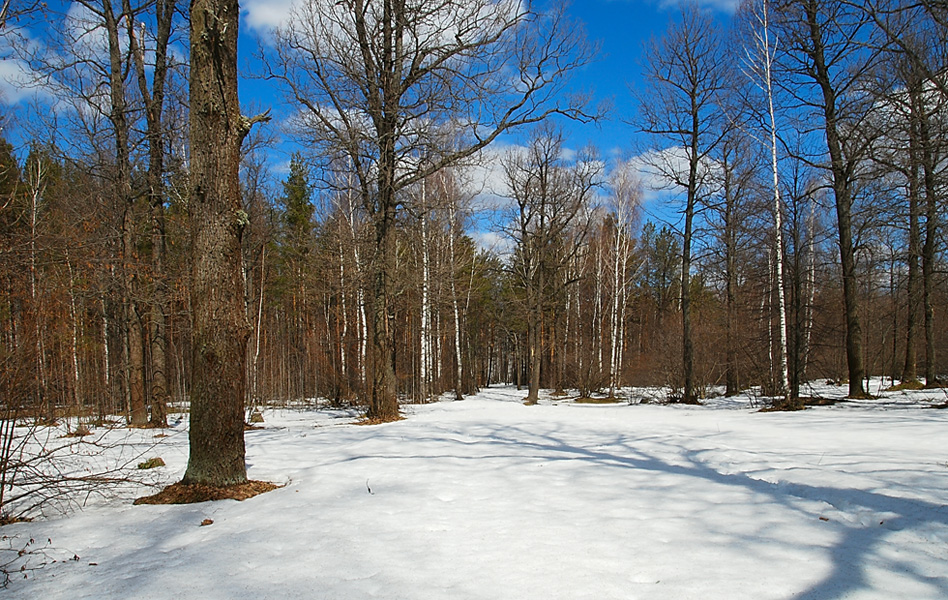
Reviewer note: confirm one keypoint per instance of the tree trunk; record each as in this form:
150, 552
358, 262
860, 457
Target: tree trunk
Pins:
154, 107
731, 382
778, 212
220, 328
842, 188
687, 344
138, 411
134, 351
383, 402
910, 366
928, 259
536, 356
458, 357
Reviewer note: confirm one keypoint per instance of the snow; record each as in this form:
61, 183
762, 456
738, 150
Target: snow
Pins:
488, 498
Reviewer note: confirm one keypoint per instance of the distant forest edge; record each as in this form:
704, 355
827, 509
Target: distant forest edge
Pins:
831, 130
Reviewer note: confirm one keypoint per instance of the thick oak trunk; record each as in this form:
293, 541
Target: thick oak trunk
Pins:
219, 322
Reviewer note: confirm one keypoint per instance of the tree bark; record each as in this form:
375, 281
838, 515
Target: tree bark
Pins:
687, 344
929, 251
154, 107
134, 351
842, 188
910, 365
219, 322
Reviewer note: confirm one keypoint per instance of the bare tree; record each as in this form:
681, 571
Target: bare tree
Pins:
824, 58
684, 76
405, 88
154, 101
759, 55
550, 200
911, 126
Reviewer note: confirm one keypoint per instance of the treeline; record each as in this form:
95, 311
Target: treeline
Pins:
362, 279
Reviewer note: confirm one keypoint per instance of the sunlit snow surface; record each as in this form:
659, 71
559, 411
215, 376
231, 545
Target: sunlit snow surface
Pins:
487, 498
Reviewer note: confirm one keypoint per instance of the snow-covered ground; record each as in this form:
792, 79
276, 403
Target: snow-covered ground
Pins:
487, 498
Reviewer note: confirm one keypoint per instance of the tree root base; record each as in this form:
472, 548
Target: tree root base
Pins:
181, 493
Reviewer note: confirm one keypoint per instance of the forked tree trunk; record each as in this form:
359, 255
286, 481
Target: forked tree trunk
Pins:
132, 344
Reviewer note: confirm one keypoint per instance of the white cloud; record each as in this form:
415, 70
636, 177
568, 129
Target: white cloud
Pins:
86, 34
486, 180
724, 6
264, 15
15, 77
18, 82
493, 241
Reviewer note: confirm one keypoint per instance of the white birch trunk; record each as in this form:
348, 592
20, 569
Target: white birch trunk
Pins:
74, 346
454, 299
615, 318
760, 63
362, 321
254, 394
106, 359
425, 302
36, 174
598, 314
345, 315
777, 208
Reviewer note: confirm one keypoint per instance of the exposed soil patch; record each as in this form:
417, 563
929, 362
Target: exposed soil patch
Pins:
180, 493
800, 403
606, 400
817, 401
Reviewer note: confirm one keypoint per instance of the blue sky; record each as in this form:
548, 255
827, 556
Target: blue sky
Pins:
621, 27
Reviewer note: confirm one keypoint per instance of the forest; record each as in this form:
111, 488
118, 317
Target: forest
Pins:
783, 223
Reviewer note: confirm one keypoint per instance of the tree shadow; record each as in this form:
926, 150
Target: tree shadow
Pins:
857, 544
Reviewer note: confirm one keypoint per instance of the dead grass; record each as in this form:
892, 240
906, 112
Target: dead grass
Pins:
9, 520
910, 385
180, 493
785, 405
79, 432
606, 400
152, 463
817, 401
378, 420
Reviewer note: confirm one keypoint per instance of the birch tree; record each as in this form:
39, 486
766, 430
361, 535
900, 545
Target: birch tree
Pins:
625, 200
759, 55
